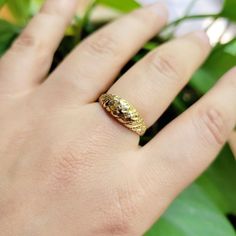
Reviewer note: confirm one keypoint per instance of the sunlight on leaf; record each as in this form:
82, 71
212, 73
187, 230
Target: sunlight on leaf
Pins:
35, 6
231, 49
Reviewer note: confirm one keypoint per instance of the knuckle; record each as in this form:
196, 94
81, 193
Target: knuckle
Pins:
213, 126
116, 226
102, 45
165, 64
28, 41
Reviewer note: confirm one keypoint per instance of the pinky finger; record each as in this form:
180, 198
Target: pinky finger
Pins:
185, 148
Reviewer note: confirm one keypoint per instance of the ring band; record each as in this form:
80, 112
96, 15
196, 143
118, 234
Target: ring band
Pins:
123, 112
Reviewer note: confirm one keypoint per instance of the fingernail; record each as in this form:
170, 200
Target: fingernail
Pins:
159, 8
202, 35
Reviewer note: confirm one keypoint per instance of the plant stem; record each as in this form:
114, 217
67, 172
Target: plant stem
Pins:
190, 7
187, 13
83, 21
192, 18
184, 18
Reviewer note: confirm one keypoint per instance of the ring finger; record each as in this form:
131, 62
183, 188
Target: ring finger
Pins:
153, 83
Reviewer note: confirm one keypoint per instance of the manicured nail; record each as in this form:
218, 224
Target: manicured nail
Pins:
159, 8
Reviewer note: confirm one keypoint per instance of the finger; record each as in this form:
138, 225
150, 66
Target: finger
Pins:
153, 83
190, 143
92, 67
29, 58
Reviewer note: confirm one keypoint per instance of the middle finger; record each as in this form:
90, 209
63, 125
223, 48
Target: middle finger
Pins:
93, 65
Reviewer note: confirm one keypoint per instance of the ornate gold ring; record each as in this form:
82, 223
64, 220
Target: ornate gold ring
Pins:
124, 112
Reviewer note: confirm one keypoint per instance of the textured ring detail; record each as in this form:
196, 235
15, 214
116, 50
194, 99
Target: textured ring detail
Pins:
124, 112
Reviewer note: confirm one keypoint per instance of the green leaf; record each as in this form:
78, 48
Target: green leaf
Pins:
202, 80
8, 33
120, 5
2, 2
220, 61
20, 9
230, 48
219, 181
35, 6
229, 9
193, 213
150, 46
179, 104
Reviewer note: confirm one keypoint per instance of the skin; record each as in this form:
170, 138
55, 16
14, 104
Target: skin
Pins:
67, 167
233, 143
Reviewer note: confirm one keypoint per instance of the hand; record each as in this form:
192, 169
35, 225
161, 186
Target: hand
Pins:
69, 168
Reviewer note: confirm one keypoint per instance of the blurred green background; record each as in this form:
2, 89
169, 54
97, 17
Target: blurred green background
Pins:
208, 206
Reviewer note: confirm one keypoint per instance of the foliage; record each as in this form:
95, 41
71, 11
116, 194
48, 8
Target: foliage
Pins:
2, 2
8, 32
208, 206
229, 10
20, 9
221, 60
121, 5
201, 209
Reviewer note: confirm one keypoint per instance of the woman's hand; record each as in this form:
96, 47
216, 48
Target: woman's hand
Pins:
67, 167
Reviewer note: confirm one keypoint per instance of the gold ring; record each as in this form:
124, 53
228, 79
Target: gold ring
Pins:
124, 112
